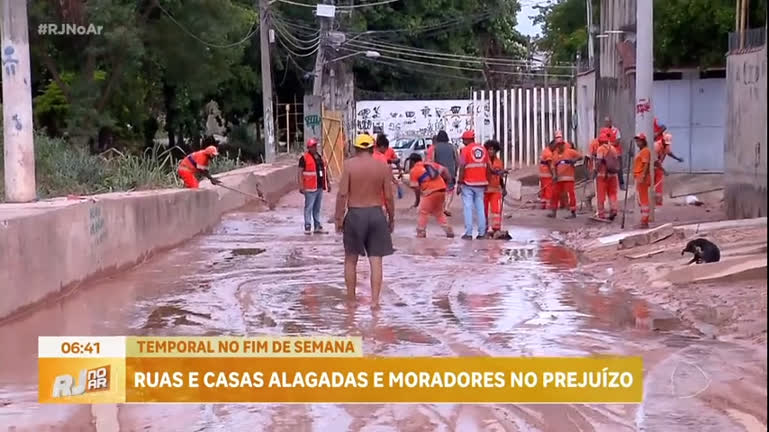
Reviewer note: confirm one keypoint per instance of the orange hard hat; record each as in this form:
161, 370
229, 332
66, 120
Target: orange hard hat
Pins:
312, 142
468, 135
211, 151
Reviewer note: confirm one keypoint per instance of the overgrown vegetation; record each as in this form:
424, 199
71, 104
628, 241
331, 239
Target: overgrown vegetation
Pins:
687, 33
63, 169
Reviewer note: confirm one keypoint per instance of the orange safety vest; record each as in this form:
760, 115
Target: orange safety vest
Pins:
427, 177
380, 157
544, 163
600, 155
475, 159
310, 174
564, 164
195, 162
495, 180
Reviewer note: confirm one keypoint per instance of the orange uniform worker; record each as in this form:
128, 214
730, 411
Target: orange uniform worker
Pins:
546, 175
429, 180
559, 138
197, 163
607, 181
663, 143
642, 178
563, 176
564, 200
471, 184
495, 190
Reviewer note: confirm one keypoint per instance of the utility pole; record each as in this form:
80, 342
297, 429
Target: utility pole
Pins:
264, 39
644, 75
590, 49
18, 138
317, 84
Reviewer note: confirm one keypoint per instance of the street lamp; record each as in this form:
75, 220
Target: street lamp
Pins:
369, 54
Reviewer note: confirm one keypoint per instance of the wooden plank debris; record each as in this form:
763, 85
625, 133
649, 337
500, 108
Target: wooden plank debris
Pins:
647, 237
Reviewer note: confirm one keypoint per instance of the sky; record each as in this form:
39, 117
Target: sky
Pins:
525, 21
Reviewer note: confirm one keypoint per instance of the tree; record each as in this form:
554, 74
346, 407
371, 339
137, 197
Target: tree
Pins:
687, 33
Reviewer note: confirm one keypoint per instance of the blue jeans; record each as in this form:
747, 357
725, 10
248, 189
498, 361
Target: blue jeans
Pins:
312, 201
472, 199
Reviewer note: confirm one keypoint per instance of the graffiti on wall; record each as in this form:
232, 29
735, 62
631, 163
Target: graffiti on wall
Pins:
423, 119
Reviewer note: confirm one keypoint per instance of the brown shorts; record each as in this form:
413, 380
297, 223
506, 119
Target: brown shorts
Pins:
366, 232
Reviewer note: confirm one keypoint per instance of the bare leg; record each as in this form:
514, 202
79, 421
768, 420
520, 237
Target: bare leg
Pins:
376, 279
350, 275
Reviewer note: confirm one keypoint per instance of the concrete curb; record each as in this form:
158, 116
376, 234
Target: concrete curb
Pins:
50, 246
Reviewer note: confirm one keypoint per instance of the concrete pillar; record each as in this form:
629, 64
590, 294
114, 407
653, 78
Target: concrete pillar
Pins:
644, 113
18, 136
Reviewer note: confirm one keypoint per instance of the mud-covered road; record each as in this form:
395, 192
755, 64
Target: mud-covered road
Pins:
256, 273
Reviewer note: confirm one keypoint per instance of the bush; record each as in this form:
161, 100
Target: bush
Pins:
62, 169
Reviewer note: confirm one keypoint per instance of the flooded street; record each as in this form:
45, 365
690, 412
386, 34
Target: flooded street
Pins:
256, 273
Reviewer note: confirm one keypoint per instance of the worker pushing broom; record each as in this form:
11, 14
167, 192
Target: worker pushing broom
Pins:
196, 164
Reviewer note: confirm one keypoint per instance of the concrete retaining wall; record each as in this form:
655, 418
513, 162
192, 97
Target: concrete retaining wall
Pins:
48, 246
745, 149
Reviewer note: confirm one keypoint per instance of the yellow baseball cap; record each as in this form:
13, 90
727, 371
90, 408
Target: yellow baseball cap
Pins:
364, 141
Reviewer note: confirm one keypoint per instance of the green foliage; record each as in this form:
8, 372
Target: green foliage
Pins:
63, 169
687, 33
564, 29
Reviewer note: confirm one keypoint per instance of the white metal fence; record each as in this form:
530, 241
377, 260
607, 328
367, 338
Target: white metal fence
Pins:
525, 120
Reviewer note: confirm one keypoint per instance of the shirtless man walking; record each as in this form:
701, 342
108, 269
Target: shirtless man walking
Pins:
359, 215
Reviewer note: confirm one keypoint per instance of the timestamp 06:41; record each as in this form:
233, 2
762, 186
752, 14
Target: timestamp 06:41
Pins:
80, 348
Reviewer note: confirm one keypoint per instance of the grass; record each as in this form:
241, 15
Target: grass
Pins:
64, 169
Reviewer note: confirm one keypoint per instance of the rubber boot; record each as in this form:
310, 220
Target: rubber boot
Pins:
573, 215
551, 214
421, 233
449, 232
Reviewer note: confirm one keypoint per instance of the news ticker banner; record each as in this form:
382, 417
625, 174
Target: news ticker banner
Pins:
126, 369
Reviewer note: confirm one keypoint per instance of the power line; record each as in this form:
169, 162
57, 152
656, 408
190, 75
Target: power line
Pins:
313, 6
411, 69
444, 57
468, 68
252, 30
445, 25
424, 53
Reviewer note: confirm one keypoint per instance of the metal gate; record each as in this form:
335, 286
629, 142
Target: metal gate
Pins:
526, 119
694, 111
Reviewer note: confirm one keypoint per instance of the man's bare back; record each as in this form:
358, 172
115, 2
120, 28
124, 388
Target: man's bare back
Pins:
363, 181
366, 229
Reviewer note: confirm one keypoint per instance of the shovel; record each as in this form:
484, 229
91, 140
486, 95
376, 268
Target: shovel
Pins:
258, 197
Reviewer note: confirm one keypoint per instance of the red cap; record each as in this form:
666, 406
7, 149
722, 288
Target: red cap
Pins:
312, 142
641, 136
468, 135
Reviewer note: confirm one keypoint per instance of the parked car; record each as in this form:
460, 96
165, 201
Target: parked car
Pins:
405, 147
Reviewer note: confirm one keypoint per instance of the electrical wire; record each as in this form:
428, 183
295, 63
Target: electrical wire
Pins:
424, 53
291, 41
412, 70
252, 30
362, 5
438, 65
445, 25
443, 57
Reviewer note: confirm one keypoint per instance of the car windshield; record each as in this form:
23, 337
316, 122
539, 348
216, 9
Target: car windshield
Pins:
403, 144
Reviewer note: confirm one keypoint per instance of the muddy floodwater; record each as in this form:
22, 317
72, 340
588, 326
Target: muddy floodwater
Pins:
256, 273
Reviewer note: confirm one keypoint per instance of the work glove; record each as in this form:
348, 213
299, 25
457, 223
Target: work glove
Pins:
215, 181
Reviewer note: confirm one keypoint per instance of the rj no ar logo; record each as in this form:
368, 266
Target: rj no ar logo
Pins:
89, 380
